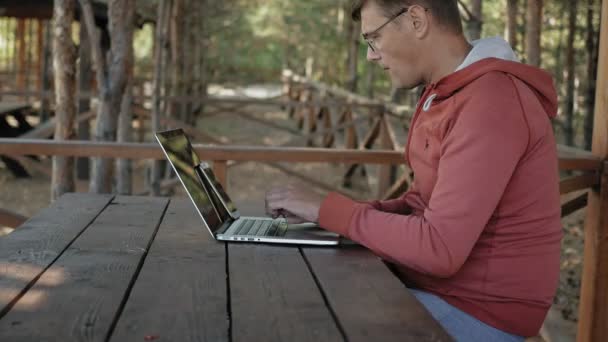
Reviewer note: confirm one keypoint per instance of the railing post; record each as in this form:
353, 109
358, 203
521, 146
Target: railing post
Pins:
386, 173
220, 169
593, 310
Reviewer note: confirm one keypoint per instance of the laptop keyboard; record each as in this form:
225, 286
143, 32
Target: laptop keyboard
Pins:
253, 227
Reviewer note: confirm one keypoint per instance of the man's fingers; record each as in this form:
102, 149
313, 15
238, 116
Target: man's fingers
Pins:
292, 219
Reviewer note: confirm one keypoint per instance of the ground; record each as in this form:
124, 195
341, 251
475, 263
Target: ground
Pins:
250, 181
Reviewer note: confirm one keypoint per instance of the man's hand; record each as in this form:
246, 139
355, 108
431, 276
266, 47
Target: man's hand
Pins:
296, 204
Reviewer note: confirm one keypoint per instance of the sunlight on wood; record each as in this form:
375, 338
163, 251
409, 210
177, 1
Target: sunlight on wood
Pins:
31, 302
15, 270
5, 231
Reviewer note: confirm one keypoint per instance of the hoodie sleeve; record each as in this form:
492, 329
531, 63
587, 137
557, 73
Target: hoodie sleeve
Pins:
477, 159
405, 204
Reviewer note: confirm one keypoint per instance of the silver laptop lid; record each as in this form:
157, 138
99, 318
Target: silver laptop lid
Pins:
184, 160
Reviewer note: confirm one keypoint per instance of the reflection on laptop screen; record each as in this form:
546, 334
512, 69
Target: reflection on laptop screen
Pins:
183, 158
220, 189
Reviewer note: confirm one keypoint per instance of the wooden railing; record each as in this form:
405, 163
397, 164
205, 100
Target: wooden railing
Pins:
221, 155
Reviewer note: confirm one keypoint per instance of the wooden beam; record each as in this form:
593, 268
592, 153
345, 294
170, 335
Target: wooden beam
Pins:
593, 309
579, 163
46, 129
398, 188
310, 180
574, 204
386, 173
367, 143
17, 147
580, 182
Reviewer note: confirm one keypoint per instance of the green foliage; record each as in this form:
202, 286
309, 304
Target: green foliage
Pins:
254, 40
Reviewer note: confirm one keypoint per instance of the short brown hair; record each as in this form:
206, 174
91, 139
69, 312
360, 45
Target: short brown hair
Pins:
445, 11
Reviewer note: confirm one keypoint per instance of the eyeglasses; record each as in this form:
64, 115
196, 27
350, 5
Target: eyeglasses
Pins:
369, 36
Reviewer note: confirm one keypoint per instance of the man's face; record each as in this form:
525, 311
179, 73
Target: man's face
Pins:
397, 49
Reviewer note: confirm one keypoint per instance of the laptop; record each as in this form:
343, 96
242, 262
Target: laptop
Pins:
219, 213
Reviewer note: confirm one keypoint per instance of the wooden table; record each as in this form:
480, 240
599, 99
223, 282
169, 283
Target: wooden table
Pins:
99, 267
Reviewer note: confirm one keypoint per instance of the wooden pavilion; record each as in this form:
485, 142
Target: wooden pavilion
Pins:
592, 168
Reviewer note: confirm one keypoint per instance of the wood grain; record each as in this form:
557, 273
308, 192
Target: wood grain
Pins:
29, 250
79, 296
274, 297
368, 300
180, 294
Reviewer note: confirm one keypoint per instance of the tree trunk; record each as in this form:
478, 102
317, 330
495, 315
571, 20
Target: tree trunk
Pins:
512, 10
533, 31
570, 66
85, 78
189, 44
21, 54
29, 64
39, 53
159, 66
64, 59
475, 23
111, 80
352, 60
165, 80
592, 60
203, 61
46, 73
176, 105
124, 169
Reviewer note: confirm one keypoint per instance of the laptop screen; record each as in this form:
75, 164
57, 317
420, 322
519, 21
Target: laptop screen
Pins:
219, 189
183, 158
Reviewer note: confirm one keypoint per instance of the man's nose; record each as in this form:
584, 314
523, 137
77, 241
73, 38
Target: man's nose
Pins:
372, 56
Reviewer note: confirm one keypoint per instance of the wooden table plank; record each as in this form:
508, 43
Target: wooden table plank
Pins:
368, 300
274, 297
79, 296
29, 250
180, 294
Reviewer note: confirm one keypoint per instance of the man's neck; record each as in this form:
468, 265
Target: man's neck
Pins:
447, 54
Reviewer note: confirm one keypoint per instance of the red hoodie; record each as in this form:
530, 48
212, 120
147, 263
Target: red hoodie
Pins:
481, 226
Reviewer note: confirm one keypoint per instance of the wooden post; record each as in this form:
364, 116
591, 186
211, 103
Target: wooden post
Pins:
29, 48
593, 310
350, 137
46, 67
328, 137
21, 54
386, 173
14, 46
64, 60
220, 169
39, 54
312, 119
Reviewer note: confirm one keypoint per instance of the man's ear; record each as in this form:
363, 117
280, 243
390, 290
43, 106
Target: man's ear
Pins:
420, 20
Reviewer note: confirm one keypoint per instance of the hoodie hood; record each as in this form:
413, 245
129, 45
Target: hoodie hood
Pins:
494, 47
494, 54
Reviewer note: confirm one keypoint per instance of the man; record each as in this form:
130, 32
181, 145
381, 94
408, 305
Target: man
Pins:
478, 234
